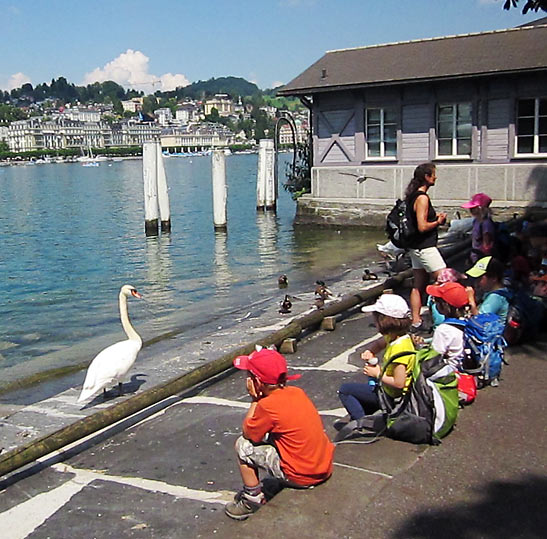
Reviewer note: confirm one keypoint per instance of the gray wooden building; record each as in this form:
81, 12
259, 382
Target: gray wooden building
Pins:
474, 104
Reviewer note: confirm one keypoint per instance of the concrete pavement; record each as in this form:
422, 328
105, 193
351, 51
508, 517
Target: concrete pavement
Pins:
169, 474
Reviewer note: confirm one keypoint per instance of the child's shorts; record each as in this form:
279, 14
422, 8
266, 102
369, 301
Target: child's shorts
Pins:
260, 455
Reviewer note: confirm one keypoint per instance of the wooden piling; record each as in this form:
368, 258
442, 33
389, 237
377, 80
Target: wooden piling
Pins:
151, 208
266, 188
219, 189
163, 191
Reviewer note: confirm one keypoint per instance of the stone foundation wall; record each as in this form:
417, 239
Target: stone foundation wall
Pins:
372, 214
363, 195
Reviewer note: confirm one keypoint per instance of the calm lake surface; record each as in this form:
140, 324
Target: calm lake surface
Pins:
71, 236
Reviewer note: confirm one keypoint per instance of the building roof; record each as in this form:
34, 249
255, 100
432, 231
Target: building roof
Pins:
501, 51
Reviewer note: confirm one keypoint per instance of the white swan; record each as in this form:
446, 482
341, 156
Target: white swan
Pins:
112, 364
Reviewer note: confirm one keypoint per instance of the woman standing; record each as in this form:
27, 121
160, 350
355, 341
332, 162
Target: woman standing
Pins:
426, 258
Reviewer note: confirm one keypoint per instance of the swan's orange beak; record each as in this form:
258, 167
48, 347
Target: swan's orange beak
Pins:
135, 294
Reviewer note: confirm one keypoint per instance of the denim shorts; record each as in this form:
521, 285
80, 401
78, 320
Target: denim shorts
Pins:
429, 259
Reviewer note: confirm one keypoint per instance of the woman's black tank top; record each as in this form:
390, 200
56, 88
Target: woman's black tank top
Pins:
423, 240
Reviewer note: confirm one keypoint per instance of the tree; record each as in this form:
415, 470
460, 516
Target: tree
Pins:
214, 116
9, 114
298, 173
530, 5
149, 104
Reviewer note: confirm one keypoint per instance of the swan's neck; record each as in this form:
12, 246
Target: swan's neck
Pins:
124, 315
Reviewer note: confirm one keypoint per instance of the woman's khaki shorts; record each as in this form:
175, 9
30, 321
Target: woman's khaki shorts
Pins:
428, 259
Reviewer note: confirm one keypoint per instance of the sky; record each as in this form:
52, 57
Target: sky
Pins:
154, 45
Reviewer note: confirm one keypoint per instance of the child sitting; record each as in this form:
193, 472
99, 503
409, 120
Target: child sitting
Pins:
392, 318
489, 272
450, 299
447, 275
298, 451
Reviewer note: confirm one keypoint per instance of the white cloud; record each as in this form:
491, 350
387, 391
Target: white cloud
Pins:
277, 83
16, 81
130, 69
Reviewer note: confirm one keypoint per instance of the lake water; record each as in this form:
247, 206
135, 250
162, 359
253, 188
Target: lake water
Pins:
71, 236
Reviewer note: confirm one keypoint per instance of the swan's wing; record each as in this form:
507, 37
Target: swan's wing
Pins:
109, 365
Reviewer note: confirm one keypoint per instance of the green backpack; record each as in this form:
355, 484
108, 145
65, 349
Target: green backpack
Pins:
423, 415
429, 409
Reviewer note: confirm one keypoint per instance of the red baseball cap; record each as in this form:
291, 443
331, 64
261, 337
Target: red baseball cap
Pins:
481, 200
267, 365
453, 293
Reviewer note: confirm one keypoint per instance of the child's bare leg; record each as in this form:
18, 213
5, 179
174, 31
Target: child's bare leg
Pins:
249, 475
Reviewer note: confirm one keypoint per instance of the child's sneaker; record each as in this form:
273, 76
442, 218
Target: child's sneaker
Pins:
244, 505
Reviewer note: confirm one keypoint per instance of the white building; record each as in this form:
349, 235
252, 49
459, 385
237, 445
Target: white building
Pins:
133, 105
164, 116
197, 138
79, 114
221, 102
187, 112
42, 133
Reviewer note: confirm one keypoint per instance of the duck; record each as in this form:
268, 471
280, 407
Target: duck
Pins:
369, 275
321, 290
282, 281
286, 305
112, 364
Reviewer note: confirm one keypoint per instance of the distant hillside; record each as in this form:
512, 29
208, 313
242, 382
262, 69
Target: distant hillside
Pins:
234, 86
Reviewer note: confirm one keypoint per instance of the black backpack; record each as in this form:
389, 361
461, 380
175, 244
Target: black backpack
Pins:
400, 227
524, 318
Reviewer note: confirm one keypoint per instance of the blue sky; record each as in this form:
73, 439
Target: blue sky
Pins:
157, 45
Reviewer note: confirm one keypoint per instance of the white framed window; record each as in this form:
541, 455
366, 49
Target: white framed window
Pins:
381, 133
531, 128
454, 130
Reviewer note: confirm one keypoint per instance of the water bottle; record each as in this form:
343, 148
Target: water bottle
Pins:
372, 382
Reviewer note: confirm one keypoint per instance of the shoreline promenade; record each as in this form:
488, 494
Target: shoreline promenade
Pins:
169, 473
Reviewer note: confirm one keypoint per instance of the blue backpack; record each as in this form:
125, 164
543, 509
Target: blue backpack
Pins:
484, 346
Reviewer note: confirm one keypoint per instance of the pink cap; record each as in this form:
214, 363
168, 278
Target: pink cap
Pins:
449, 275
480, 200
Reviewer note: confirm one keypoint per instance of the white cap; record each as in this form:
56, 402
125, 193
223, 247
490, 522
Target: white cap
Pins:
390, 305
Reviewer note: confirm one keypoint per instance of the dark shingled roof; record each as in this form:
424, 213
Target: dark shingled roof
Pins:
501, 51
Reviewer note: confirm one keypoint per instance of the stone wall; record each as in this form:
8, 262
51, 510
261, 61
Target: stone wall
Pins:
363, 195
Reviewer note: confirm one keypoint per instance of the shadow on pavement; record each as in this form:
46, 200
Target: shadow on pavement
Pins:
507, 509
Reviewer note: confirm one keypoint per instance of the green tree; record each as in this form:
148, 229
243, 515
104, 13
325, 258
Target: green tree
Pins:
298, 172
530, 5
149, 104
9, 114
214, 116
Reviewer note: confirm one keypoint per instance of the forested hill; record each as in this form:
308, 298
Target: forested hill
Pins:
109, 91
234, 86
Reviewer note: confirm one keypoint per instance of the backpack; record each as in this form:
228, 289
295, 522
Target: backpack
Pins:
424, 414
484, 346
400, 226
467, 388
524, 317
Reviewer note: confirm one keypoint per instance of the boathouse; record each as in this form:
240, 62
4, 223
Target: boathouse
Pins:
474, 104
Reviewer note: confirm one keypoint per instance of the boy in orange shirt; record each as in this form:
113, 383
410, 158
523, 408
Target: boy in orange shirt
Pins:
298, 452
